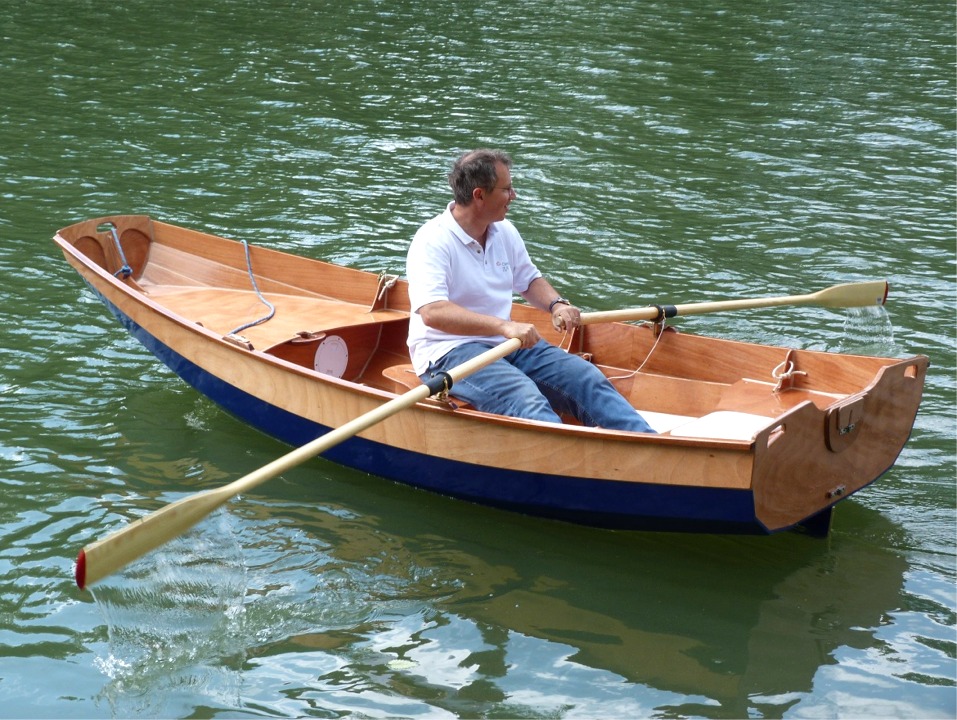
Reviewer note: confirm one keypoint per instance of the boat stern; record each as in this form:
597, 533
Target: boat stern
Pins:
812, 458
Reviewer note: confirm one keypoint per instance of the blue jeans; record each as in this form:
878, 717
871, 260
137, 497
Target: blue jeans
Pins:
538, 384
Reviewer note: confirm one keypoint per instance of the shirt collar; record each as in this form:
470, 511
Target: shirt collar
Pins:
463, 237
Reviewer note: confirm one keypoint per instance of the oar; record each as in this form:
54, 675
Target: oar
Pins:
838, 296
115, 551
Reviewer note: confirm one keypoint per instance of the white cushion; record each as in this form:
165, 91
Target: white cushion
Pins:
724, 425
663, 422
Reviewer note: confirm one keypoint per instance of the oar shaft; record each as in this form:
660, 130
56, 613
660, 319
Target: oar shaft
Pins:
743, 304
104, 557
845, 295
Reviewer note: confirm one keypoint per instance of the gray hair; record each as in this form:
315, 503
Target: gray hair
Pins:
475, 169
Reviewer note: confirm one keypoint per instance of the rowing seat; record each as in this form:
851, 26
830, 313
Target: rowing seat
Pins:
403, 378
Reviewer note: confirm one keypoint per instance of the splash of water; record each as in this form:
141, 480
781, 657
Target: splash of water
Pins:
174, 619
191, 616
868, 331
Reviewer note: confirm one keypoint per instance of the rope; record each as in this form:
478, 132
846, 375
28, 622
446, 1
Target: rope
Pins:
252, 279
386, 283
375, 349
647, 357
660, 325
126, 270
784, 374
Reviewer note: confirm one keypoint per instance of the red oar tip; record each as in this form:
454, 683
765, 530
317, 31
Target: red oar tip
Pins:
81, 570
887, 289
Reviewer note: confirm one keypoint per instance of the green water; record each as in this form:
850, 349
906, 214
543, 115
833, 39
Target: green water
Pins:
665, 152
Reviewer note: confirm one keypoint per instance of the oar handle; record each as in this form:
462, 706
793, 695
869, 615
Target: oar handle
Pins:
115, 551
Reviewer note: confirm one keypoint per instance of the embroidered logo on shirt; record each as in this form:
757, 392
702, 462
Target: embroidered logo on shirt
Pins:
503, 266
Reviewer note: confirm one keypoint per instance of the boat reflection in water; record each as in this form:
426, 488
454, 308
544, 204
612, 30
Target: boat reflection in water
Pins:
727, 621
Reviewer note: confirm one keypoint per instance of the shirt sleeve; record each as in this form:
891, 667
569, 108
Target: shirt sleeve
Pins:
427, 265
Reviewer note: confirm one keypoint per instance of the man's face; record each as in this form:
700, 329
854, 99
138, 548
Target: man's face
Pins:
500, 197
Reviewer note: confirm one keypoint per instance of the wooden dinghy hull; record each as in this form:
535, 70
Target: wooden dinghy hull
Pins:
743, 457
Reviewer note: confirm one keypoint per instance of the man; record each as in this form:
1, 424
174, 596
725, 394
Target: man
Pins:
463, 268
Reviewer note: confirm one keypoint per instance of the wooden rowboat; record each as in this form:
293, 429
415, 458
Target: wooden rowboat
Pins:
752, 438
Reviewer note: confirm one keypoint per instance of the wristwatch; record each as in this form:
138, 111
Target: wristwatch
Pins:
556, 301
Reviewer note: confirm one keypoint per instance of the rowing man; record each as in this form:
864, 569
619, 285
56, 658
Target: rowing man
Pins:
464, 267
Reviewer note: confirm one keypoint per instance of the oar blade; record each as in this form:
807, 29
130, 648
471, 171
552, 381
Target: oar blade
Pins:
100, 559
862, 294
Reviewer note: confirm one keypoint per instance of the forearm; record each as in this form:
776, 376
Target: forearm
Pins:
540, 293
457, 320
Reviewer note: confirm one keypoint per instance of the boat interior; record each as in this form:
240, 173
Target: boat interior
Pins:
353, 324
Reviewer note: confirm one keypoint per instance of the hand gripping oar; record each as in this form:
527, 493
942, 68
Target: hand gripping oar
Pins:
122, 547
838, 296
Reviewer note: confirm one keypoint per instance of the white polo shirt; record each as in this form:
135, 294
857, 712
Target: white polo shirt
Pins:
444, 263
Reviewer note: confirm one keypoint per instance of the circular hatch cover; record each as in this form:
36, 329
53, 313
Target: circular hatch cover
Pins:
332, 356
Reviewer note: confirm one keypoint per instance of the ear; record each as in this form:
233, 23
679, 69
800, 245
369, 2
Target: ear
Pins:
478, 193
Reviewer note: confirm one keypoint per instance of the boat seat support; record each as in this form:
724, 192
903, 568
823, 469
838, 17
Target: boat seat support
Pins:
403, 378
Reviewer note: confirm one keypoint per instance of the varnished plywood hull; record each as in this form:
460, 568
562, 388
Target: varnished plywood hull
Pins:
783, 475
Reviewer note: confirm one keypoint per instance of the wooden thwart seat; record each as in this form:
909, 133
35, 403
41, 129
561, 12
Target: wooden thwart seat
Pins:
403, 376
